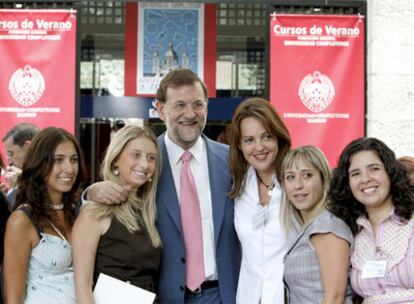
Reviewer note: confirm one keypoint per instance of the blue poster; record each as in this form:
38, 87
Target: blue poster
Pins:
170, 39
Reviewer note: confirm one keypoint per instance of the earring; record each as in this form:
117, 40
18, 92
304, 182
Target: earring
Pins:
116, 171
150, 180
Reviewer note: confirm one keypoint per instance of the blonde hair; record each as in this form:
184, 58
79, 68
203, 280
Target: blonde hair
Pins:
140, 203
314, 157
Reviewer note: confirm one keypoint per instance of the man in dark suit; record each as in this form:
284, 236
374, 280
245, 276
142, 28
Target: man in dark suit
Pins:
182, 105
16, 141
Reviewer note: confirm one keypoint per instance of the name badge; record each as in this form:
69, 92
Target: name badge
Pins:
260, 217
374, 269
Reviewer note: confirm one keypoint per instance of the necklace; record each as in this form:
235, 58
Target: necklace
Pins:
268, 187
56, 206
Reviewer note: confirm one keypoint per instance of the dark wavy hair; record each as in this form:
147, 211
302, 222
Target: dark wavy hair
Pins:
344, 205
264, 112
38, 164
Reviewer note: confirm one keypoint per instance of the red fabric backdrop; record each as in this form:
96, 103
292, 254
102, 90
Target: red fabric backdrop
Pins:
317, 78
38, 66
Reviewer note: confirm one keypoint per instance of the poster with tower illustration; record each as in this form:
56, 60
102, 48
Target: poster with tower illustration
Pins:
170, 36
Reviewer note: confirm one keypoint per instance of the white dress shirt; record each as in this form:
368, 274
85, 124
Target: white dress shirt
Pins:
199, 169
263, 245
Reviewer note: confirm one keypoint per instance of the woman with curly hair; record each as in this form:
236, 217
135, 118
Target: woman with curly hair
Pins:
371, 192
38, 255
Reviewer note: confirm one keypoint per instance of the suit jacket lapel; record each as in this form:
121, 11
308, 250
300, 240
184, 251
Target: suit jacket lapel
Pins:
219, 180
166, 193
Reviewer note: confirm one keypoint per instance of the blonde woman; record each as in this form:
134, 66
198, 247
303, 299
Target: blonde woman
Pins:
121, 240
317, 261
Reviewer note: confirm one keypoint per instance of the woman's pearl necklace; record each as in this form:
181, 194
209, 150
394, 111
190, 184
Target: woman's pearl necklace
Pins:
56, 206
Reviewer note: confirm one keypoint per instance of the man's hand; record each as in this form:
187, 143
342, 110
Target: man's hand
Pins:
3, 188
11, 174
108, 192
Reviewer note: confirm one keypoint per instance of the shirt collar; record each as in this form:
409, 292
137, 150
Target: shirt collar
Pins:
251, 176
175, 151
251, 188
364, 222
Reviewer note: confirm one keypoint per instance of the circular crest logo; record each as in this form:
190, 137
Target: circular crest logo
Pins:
316, 91
27, 85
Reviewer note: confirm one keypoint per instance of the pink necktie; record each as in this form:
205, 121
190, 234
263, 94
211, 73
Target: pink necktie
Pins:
191, 224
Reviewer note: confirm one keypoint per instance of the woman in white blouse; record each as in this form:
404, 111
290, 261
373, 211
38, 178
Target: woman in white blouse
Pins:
259, 142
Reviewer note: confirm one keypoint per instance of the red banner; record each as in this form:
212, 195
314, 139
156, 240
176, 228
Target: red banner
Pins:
38, 66
317, 78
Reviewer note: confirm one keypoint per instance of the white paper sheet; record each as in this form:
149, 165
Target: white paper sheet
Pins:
109, 290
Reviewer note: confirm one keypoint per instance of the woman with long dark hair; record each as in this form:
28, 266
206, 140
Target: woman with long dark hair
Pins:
38, 255
370, 191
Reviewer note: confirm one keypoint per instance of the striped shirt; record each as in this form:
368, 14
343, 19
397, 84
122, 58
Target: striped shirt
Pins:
394, 243
303, 279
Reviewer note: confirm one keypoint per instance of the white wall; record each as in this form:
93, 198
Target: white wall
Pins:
390, 73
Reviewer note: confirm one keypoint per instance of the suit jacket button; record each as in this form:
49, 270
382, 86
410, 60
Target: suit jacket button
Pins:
182, 288
183, 260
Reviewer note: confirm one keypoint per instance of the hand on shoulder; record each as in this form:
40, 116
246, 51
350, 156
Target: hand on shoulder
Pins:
3, 188
108, 192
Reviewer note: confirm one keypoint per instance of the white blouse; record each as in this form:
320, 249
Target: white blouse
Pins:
263, 245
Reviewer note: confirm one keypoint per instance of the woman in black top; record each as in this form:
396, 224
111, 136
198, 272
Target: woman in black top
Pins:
121, 240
